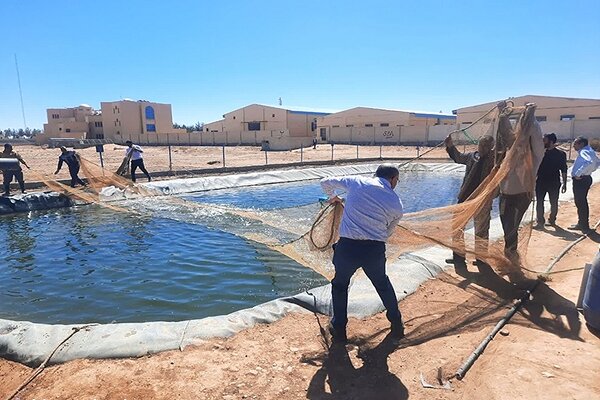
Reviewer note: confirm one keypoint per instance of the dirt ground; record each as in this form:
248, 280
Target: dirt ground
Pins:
545, 352
184, 158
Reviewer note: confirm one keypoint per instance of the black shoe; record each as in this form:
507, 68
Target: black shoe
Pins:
337, 335
539, 226
576, 227
5, 194
398, 330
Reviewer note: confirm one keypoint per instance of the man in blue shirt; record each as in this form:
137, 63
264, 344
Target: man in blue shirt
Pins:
371, 214
585, 163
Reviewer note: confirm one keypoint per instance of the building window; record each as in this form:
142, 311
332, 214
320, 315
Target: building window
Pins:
234, 117
151, 127
594, 117
368, 125
323, 133
350, 126
540, 118
273, 115
98, 124
335, 126
254, 126
567, 117
384, 124
118, 132
467, 122
99, 136
68, 130
55, 116
60, 129
149, 112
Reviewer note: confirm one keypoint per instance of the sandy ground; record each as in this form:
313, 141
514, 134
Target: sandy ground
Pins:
184, 159
546, 352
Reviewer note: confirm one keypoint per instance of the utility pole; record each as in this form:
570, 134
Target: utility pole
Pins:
20, 92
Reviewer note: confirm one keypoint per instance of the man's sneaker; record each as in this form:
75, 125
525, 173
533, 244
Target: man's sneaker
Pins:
337, 335
398, 330
576, 227
551, 223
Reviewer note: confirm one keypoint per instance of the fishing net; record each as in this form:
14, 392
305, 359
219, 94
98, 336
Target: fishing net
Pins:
309, 242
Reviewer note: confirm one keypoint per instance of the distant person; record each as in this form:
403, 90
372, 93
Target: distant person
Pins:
371, 214
16, 172
71, 158
552, 168
314, 142
479, 165
137, 159
585, 163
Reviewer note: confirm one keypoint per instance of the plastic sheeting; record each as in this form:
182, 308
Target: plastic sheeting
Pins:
33, 201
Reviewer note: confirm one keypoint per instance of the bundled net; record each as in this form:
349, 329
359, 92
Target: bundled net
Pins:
311, 244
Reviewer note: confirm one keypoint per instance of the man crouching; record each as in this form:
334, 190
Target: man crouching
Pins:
370, 216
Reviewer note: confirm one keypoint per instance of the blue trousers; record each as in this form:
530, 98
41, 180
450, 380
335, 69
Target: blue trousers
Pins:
348, 256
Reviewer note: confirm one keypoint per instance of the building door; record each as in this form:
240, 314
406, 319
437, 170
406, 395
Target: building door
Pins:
324, 133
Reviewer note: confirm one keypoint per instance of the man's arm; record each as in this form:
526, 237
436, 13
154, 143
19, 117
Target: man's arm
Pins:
398, 214
60, 163
138, 148
22, 161
586, 164
563, 171
330, 185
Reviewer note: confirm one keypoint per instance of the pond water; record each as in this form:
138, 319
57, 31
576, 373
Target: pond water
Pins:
91, 264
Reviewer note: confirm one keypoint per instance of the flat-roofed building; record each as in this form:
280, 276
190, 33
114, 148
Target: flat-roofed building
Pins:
567, 117
367, 125
129, 118
282, 127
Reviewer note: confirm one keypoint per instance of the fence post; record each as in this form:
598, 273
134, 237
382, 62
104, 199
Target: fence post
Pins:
266, 157
301, 154
331, 151
223, 156
572, 137
380, 148
357, 152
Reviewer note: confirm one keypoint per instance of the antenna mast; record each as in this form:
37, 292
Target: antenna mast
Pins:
20, 92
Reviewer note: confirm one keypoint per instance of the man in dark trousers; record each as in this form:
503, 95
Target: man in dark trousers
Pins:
552, 168
71, 158
16, 172
137, 159
370, 217
585, 163
479, 165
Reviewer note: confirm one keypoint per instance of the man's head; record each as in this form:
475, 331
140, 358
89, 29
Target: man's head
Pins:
7, 148
388, 172
549, 140
486, 144
580, 142
63, 149
129, 143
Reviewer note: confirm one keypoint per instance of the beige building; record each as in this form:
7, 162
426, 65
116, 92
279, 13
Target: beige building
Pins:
130, 118
77, 122
565, 116
115, 120
367, 125
281, 127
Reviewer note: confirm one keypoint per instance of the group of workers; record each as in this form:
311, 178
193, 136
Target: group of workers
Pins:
373, 209
13, 171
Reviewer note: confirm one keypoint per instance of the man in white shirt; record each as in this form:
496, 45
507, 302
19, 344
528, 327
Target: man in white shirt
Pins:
371, 214
585, 163
137, 159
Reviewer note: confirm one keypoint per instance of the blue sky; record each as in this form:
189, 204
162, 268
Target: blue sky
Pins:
208, 58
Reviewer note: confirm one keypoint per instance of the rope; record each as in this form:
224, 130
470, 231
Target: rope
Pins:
45, 362
463, 130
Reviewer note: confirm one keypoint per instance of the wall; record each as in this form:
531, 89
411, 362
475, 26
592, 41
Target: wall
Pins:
390, 135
